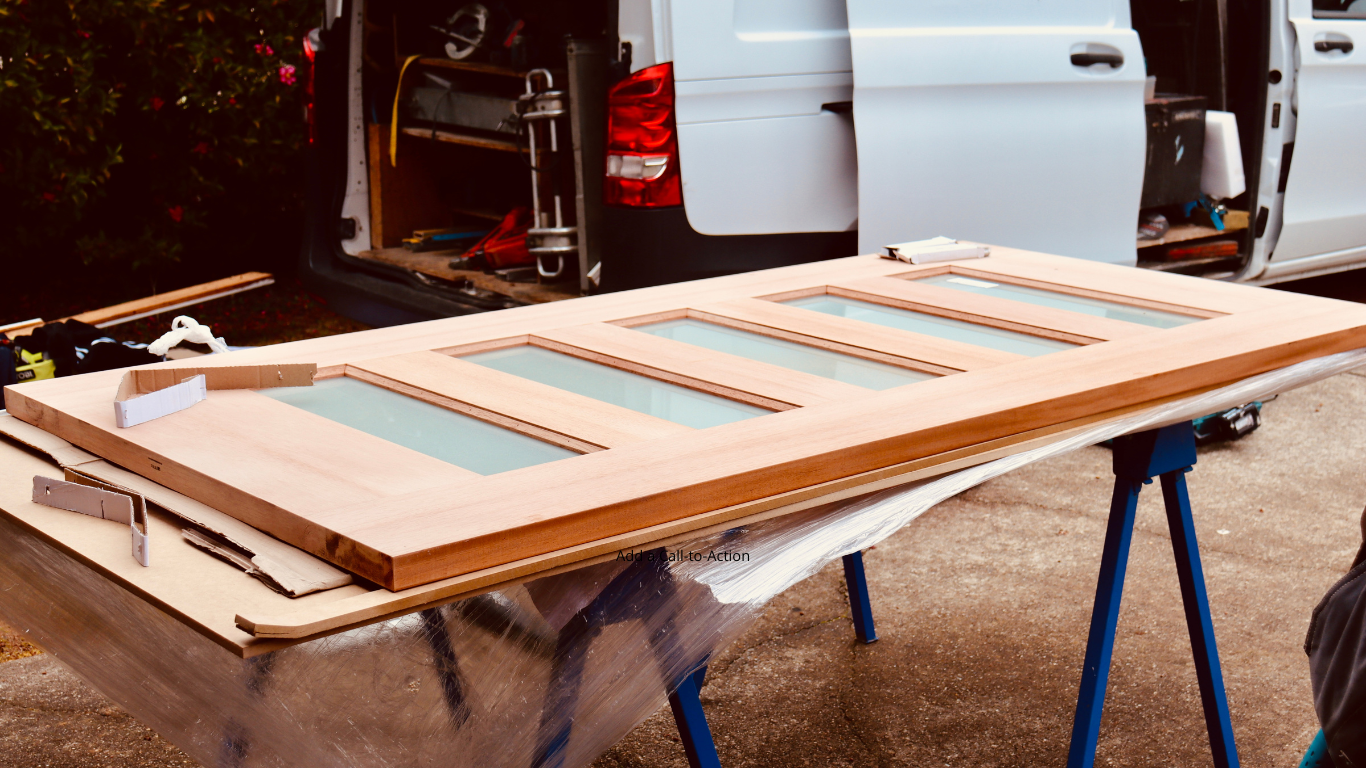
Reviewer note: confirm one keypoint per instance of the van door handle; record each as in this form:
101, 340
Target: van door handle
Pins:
1086, 59
1323, 46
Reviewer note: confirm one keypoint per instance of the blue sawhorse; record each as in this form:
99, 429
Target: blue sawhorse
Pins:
1167, 454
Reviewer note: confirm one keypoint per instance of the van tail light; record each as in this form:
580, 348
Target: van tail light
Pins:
642, 141
312, 44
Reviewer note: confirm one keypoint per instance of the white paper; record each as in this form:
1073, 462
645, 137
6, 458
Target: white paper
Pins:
935, 249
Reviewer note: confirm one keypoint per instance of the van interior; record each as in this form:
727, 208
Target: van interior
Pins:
1202, 56
455, 192
468, 169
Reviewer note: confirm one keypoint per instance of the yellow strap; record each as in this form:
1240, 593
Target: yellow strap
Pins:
393, 126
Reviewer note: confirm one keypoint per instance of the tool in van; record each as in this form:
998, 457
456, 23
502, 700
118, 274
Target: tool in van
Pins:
441, 239
548, 236
466, 28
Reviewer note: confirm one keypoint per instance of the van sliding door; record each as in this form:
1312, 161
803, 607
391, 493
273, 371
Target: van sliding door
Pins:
1325, 194
1015, 122
759, 152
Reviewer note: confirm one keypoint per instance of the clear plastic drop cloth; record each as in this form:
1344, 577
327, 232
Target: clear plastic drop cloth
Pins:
549, 673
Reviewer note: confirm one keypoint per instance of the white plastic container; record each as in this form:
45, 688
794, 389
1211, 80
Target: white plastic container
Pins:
1222, 176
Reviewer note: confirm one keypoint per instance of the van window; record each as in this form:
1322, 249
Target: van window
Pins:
1340, 9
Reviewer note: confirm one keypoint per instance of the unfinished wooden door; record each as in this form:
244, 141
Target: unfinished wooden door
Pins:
440, 448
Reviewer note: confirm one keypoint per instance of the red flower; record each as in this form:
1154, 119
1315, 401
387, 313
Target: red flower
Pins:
201, 148
232, 100
156, 103
176, 212
83, 33
287, 74
49, 197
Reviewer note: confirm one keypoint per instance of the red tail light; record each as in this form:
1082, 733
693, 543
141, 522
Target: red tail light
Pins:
642, 142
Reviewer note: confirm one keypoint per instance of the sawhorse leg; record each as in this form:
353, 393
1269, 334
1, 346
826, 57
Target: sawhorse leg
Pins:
1167, 453
619, 602
859, 604
686, 703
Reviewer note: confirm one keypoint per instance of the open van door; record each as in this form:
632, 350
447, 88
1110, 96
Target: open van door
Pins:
1000, 121
1325, 194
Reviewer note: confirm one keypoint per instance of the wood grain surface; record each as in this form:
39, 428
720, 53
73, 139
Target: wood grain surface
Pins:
402, 519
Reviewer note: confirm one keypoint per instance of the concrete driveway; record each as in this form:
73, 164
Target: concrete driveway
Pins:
982, 606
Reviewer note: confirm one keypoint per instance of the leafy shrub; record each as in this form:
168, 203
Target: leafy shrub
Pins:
138, 133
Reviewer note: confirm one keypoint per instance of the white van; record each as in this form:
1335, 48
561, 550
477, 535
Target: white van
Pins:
705, 137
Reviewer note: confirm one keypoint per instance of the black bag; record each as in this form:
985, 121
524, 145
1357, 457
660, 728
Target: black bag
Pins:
7, 365
1336, 645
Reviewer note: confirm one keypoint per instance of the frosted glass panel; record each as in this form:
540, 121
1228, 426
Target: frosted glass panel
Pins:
931, 325
611, 385
1086, 306
798, 357
452, 437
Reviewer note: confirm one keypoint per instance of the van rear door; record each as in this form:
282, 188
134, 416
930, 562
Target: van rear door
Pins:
1325, 194
1000, 121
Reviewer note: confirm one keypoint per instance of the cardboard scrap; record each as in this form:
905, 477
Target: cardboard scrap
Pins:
57, 449
138, 521
279, 576
150, 393
284, 568
935, 249
153, 405
105, 505
91, 497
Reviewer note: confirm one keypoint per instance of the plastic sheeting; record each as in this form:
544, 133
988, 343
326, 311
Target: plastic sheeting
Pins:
551, 672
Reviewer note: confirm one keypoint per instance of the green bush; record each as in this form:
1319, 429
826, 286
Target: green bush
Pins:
138, 133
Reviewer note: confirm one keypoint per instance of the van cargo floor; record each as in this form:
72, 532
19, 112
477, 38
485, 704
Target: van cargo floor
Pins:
437, 264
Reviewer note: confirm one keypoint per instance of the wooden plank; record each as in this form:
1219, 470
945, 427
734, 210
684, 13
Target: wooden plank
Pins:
948, 354
516, 399
473, 66
466, 139
161, 302
184, 297
403, 197
697, 367
989, 310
